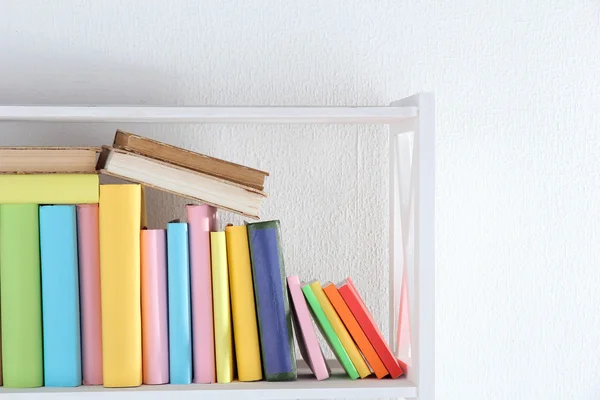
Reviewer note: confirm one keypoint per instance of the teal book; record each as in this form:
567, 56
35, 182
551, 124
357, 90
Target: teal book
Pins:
20, 296
179, 303
272, 306
60, 296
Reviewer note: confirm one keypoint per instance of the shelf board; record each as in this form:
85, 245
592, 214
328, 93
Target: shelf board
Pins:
340, 115
306, 387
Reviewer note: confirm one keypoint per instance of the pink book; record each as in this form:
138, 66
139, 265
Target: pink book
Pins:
305, 331
202, 219
89, 288
155, 334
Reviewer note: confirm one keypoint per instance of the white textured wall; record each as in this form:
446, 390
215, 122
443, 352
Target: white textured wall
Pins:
517, 86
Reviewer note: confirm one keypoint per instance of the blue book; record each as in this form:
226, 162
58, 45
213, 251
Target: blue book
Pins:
273, 311
180, 316
60, 296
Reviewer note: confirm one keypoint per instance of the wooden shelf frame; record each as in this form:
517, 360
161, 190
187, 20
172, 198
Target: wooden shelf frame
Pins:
411, 123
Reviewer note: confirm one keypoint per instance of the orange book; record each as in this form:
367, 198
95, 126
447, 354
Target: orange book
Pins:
355, 330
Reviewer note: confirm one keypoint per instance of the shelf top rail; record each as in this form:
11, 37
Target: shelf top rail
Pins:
209, 114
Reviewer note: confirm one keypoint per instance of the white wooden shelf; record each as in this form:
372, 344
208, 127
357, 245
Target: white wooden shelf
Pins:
306, 387
334, 115
411, 123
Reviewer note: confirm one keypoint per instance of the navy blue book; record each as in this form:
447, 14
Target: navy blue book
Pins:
273, 310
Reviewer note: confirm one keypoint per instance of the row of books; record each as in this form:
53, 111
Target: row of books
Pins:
40, 261
89, 294
72, 314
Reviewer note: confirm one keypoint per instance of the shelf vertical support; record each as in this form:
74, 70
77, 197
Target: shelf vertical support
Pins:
421, 277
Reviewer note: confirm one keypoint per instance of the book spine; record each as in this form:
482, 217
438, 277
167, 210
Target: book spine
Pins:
355, 330
120, 217
274, 317
243, 309
20, 296
341, 331
0, 350
180, 324
60, 296
305, 331
328, 332
89, 293
202, 219
366, 322
220, 282
49, 189
155, 333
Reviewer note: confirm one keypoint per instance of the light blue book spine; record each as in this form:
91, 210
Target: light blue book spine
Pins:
60, 296
180, 319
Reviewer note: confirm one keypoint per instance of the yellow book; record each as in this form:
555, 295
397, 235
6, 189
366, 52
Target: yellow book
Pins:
49, 189
120, 218
245, 330
341, 331
221, 308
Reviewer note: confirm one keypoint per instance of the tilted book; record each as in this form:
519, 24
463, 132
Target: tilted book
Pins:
273, 310
188, 159
368, 325
328, 332
60, 296
305, 331
340, 330
184, 182
355, 330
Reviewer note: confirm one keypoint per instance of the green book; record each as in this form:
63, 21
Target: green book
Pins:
20, 296
328, 332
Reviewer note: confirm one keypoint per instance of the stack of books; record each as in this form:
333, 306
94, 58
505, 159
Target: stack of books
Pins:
90, 295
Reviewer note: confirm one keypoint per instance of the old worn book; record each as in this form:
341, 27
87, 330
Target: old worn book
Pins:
188, 159
40, 160
181, 181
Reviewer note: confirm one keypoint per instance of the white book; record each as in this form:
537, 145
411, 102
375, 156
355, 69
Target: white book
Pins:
191, 184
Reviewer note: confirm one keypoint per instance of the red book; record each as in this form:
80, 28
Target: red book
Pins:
368, 325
